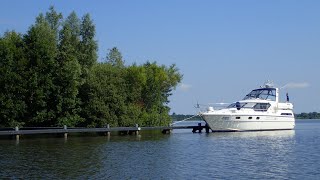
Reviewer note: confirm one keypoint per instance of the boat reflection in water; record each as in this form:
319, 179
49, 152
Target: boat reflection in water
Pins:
279, 134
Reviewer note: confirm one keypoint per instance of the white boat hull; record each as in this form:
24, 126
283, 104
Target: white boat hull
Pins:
248, 123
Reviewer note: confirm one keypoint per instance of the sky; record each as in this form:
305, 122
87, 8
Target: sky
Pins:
223, 48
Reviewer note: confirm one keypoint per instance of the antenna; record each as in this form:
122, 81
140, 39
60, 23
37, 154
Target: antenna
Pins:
197, 106
269, 84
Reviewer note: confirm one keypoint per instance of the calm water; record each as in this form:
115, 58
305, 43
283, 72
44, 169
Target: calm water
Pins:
182, 155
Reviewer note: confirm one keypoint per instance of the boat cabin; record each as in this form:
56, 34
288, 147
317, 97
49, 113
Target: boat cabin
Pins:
262, 99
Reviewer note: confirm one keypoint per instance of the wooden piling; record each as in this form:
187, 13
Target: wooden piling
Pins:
108, 132
65, 134
200, 128
138, 129
197, 128
166, 131
207, 128
17, 135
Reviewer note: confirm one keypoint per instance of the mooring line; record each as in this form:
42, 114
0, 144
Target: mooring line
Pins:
185, 119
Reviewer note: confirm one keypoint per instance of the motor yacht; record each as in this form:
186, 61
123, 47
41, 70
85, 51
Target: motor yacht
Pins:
259, 110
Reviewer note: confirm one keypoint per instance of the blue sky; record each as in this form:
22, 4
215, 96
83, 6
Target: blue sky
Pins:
223, 48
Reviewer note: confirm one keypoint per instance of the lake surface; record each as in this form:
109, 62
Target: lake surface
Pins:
293, 154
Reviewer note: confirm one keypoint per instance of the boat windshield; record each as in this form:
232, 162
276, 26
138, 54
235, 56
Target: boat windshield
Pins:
264, 93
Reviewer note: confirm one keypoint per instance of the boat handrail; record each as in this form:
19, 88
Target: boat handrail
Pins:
219, 108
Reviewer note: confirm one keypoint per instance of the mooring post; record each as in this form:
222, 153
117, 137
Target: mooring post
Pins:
108, 132
200, 128
137, 131
65, 134
207, 128
166, 131
17, 135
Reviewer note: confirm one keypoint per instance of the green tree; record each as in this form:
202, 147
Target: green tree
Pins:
87, 57
12, 82
114, 57
88, 46
135, 79
54, 20
73, 24
41, 52
68, 78
160, 82
105, 99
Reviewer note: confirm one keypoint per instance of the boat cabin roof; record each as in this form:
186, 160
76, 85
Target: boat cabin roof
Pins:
262, 93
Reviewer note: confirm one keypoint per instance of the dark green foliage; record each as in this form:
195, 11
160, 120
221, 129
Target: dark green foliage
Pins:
68, 76
128, 95
88, 46
311, 115
105, 99
13, 71
54, 20
41, 52
160, 81
50, 77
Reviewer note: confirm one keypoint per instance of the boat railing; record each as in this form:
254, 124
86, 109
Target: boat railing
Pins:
214, 108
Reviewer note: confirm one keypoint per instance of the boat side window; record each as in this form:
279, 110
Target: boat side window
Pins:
261, 107
249, 105
286, 114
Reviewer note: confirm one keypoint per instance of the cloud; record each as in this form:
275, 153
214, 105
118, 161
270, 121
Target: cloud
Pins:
296, 85
185, 87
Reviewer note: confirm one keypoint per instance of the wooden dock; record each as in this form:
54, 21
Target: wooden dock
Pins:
123, 130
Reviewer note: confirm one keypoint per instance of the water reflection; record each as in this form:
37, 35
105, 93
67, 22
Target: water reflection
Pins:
34, 158
258, 154
255, 134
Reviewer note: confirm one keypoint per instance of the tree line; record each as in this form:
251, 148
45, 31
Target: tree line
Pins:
310, 115
50, 76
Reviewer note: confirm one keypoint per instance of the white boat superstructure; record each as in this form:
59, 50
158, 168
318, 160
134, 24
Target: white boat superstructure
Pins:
259, 110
